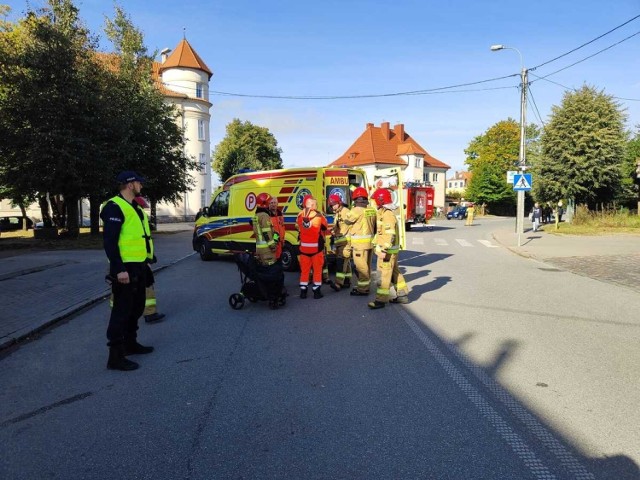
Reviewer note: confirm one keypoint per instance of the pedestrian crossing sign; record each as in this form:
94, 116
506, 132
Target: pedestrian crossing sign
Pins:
522, 182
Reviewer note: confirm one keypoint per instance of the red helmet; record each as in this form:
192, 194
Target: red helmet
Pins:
263, 200
334, 199
359, 192
382, 196
141, 201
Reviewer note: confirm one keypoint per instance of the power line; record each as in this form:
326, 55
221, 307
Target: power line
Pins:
378, 95
593, 55
535, 107
585, 44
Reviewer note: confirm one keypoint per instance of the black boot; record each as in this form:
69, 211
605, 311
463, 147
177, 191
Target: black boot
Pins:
117, 360
346, 283
317, 293
303, 292
333, 286
376, 304
134, 348
154, 317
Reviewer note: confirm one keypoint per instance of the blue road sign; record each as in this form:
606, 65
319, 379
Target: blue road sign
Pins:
522, 182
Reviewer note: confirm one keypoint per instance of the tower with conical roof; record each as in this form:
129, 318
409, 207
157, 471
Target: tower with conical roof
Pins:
183, 79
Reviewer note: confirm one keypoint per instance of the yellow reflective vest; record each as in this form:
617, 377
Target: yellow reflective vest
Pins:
134, 234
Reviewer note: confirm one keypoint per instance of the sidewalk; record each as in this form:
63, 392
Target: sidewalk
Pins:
608, 258
42, 288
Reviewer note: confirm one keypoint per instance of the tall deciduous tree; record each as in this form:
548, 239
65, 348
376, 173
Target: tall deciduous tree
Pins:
582, 150
246, 146
629, 171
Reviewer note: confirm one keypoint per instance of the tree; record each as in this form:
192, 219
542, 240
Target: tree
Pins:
629, 171
246, 146
152, 141
490, 156
582, 150
48, 119
488, 185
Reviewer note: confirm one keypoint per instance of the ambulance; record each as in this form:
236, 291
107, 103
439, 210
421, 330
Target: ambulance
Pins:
225, 226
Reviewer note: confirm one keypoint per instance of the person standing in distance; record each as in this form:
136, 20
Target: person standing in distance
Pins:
340, 243
361, 221
127, 243
387, 250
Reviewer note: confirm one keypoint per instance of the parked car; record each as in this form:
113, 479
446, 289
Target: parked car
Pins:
14, 222
458, 212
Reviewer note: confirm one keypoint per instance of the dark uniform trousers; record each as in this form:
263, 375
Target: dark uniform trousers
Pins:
128, 305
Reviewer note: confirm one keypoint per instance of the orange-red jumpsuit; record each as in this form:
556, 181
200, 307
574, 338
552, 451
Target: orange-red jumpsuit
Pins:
312, 227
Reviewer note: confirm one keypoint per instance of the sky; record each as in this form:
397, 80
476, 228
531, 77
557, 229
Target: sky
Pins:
375, 50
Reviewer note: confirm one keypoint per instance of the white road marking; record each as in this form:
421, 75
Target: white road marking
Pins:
417, 241
463, 242
440, 241
487, 243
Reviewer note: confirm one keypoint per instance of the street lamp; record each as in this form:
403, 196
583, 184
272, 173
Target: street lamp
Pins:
523, 123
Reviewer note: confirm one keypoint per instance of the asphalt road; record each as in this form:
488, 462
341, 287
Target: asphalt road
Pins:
502, 367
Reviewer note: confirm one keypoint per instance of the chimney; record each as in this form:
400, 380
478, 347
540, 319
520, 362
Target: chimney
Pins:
369, 125
385, 130
399, 131
164, 54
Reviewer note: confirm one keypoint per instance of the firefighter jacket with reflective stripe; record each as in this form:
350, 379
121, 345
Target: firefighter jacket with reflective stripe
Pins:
265, 244
387, 234
340, 228
135, 236
277, 221
312, 227
362, 225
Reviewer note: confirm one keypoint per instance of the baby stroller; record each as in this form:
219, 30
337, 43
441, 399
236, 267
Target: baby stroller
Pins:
259, 282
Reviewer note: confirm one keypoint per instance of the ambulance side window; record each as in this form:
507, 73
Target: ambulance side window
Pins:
220, 205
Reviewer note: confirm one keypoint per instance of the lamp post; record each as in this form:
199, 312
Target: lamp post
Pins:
523, 123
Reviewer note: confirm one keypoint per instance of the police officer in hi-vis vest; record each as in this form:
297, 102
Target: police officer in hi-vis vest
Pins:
127, 243
387, 250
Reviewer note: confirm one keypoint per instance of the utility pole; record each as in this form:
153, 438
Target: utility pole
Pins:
522, 161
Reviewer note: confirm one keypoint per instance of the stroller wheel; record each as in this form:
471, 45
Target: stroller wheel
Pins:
282, 300
236, 301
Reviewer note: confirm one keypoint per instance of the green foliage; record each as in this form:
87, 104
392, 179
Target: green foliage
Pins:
499, 145
606, 220
489, 185
628, 194
582, 150
246, 146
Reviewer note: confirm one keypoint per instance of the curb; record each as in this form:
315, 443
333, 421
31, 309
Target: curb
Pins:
13, 341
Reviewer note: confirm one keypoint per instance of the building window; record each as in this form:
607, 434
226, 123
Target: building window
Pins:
198, 90
418, 162
203, 164
425, 177
434, 178
201, 130
203, 199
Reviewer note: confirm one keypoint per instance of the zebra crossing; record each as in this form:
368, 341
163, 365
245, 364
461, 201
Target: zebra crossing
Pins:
443, 242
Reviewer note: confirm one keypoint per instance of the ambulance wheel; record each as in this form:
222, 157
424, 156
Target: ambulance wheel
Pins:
236, 300
205, 251
289, 258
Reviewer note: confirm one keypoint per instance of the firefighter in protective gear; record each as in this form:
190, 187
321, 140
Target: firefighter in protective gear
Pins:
151, 314
269, 269
340, 241
470, 213
312, 227
266, 244
361, 221
277, 220
387, 250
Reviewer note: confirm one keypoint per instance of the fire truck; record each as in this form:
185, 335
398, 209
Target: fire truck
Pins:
418, 198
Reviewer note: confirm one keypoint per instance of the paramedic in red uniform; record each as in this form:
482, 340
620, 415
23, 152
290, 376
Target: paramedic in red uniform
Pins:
312, 227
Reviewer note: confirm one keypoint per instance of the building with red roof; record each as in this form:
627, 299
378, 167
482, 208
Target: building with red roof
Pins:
382, 147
